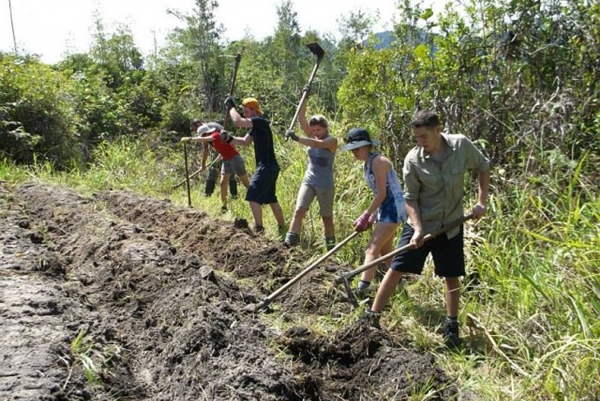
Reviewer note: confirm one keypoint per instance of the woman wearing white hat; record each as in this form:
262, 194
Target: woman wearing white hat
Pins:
387, 209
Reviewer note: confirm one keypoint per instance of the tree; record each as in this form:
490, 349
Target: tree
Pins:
199, 42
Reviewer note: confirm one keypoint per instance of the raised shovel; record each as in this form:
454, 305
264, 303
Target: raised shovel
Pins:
318, 51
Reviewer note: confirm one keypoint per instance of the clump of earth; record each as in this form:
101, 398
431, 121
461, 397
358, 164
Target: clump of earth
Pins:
118, 296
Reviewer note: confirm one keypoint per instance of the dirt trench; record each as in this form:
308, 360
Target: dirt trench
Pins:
122, 297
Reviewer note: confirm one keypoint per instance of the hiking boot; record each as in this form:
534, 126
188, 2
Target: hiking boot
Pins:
291, 239
370, 318
451, 338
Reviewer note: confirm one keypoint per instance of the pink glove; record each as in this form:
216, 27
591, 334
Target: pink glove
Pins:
364, 222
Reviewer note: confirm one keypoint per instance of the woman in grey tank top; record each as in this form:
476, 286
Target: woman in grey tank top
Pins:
318, 178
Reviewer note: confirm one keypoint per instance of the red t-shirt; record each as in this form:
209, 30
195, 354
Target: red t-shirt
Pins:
226, 150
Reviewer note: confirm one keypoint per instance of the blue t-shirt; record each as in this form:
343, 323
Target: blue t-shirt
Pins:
262, 137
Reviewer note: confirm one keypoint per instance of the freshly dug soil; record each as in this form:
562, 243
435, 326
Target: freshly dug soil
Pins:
123, 297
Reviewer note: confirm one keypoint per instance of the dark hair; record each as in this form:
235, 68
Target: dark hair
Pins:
195, 122
425, 118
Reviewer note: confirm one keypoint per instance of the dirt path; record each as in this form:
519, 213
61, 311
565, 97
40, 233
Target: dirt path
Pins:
121, 297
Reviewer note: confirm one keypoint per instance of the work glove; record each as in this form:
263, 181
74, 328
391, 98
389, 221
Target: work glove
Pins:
225, 136
229, 103
306, 88
291, 135
364, 222
186, 139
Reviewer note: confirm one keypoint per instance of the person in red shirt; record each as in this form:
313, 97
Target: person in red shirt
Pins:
233, 162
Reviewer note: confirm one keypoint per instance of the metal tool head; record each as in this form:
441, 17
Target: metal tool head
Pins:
316, 49
350, 294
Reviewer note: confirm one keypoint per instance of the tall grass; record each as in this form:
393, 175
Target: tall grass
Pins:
529, 320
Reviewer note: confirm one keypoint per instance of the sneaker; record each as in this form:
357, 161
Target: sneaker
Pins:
451, 338
370, 318
223, 209
291, 239
361, 290
259, 229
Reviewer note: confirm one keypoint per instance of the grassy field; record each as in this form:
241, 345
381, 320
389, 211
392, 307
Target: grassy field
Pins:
532, 299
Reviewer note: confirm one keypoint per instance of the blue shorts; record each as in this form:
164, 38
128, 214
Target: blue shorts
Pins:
448, 254
263, 185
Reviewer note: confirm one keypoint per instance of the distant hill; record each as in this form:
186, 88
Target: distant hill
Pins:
386, 38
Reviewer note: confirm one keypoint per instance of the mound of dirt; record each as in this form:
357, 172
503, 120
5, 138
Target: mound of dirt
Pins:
123, 297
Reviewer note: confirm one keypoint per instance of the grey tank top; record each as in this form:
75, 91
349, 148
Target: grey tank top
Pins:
319, 172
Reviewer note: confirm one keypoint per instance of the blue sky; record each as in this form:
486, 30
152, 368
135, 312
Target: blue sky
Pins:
57, 27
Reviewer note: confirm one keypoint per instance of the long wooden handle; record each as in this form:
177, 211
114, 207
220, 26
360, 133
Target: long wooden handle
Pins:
305, 93
367, 266
304, 272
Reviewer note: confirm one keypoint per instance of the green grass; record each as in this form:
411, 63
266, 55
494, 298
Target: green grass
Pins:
537, 254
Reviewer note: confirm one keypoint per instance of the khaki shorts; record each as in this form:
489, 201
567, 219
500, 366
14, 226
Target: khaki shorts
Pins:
307, 194
235, 165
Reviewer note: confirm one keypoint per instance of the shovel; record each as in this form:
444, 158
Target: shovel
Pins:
187, 176
318, 51
345, 278
270, 298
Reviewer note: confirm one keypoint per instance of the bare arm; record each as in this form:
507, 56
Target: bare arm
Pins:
330, 143
202, 139
302, 117
204, 156
414, 213
484, 183
245, 141
238, 120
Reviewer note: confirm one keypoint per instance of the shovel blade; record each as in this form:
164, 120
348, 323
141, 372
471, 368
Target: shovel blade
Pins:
316, 49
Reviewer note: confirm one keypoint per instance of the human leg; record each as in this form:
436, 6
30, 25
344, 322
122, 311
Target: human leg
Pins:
292, 237
224, 181
233, 189
238, 168
452, 296
244, 180
386, 289
448, 257
382, 233
325, 197
254, 197
278, 213
410, 261
305, 196
296, 224
256, 209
